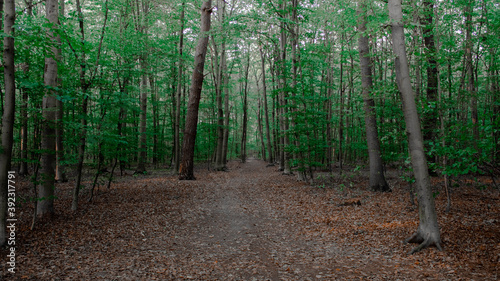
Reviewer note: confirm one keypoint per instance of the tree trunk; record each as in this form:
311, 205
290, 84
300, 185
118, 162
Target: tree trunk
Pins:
23, 169
284, 112
60, 171
270, 158
243, 149
45, 207
226, 110
341, 107
8, 116
85, 99
177, 144
219, 156
377, 180
259, 127
143, 154
428, 230
431, 114
471, 89
187, 166
154, 105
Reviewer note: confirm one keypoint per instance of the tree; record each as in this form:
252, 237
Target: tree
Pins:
45, 206
431, 114
469, 67
377, 179
8, 113
266, 112
23, 169
85, 84
142, 28
243, 149
60, 170
428, 229
187, 164
177, 121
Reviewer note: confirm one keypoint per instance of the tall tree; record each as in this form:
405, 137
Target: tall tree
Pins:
23, 169
469, 67
377, 179
8, 113
266, 112
177, 121
431, 114
243, 147
142, 28
45, 207
60, 171
284, 94
428, 229
186, 168
85, 84
225, 142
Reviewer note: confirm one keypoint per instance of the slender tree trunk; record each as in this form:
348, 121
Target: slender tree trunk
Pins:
329, 97
341, 107
243, 148
85, 99
431, 115
177, 144
7, 117
471, 89
266, 112
259, 128
428, 230
187, 166
143, 154
60, 171
219, 163
45, 206
226, 110
23, 169
299, 154
284, 111
154, 105
377, 180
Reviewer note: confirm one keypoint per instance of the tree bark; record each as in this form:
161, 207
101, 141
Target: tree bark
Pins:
431, 115
141, 166
143, 60
377, 180
23, 169
8, 115
45, 206
284, 111
243, 148
177, 144
187, 166
226, 110
471, 89
85, 84
270, 158
428, 230
60, 171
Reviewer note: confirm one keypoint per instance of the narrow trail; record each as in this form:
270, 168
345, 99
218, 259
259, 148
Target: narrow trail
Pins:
241, 234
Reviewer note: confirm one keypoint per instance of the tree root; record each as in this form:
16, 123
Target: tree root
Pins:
424, 243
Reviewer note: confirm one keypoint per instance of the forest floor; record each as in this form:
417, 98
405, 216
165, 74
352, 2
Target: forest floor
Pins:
253, 223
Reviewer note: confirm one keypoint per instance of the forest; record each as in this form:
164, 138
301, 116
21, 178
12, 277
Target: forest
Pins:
231, 116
